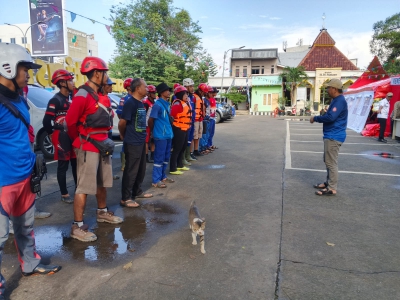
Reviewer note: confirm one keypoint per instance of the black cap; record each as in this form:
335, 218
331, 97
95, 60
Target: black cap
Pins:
215, 90
162, 87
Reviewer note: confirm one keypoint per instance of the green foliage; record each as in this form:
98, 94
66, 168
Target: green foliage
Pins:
385, 43
163, 27
235, 96
282, 102
292, 77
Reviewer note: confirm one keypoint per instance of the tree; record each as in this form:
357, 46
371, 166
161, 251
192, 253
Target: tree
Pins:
235, 96
291, 77
158, 42
385, 43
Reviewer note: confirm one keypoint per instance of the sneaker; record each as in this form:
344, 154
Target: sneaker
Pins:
183, 169
82, 233
67, 199
197, 153
10, 227
43, 270
186, 163
41, 214
192, 156
176, 173
115, 177
108, 217
382, 140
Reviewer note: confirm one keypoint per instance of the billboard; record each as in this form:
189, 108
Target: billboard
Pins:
48, 31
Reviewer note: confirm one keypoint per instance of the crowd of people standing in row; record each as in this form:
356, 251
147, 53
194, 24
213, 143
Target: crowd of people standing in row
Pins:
173, 130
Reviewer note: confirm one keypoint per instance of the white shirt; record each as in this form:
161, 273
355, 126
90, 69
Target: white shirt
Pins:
385, 109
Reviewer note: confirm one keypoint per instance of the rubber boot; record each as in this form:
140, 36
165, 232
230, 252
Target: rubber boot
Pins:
122, 161
188, 157
185, 162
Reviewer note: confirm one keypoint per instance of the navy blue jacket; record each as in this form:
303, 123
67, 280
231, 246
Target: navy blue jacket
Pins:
335, 120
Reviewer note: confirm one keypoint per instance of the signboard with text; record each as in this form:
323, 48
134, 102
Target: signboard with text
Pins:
48, 31
359, 106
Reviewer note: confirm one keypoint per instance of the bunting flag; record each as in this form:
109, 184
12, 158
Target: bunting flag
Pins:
34, 2
73, 16
108, 29
184, 55
120, 32
93, 21
144, 40
132, 36
55, 8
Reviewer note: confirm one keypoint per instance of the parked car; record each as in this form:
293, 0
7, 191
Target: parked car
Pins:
223, 112
38, 98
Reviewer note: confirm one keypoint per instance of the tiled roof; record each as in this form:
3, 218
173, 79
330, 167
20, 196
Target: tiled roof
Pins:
324, 54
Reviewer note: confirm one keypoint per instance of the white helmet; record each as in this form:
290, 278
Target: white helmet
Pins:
187, 82
10, 56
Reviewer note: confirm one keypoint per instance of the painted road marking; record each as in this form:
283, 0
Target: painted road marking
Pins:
340, 153
347, 172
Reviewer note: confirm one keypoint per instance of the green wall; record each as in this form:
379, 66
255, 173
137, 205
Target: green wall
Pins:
257, 96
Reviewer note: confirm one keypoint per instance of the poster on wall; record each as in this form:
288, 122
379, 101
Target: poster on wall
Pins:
48, 31
359, 106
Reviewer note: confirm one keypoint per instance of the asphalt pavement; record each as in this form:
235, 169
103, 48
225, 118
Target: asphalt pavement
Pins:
268, 236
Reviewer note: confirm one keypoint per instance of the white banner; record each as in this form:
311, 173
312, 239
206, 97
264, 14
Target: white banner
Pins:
359, 106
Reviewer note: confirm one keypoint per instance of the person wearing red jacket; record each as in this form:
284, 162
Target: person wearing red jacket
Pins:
89, 118
54, 124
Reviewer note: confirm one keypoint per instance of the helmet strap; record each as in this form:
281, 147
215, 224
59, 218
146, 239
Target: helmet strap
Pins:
14, 81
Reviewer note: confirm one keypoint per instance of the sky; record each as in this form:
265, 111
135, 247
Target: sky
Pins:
254, 24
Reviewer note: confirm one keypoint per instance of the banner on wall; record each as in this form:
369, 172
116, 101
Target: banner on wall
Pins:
359, 106
48, 31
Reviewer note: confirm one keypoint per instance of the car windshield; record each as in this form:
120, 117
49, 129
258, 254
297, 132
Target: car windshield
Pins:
39, 97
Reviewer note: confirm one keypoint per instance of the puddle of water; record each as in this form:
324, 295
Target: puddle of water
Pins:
112, 240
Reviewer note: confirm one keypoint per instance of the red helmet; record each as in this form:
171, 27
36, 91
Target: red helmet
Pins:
61, 74
210, 89
151, 89
176, 85
127, 82
203, 87
179, 88
91, 63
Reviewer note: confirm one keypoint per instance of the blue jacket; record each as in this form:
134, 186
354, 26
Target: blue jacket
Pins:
335, 120
160, 111
16, 156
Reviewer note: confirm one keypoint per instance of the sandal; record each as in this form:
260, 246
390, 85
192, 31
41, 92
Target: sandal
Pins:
169, 180
214, 147
159, 185
325, 192
144, 195
129, 203
204, 152
318, 185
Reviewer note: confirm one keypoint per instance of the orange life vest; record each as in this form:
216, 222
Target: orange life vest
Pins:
183, 120
199, 108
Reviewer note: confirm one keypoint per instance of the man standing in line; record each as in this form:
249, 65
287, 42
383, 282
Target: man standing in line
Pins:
89, 118
383, 114
160, 126
54, 124
334, 129
17, 202
395, 114
132, 128
200, 114
148, 103
188, 83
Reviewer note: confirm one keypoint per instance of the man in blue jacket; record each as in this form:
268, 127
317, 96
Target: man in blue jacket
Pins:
334, 129
161, 128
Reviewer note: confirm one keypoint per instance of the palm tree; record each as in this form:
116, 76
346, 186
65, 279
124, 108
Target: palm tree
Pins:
292, 77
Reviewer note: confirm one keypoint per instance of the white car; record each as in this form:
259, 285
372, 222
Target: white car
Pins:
37, 100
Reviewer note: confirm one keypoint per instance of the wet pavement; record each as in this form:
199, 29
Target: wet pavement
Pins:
140, 229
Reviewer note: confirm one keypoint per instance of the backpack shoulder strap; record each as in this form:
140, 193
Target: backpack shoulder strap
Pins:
90, 91
7, 104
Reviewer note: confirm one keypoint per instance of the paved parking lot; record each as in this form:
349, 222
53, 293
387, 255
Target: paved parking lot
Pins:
342, 247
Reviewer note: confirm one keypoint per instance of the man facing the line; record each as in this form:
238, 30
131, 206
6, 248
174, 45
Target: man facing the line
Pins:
334, 130
132, 128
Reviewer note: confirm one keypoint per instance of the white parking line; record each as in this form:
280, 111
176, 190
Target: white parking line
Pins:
288, 155
349, 136
345, 143
347, 172
340, 153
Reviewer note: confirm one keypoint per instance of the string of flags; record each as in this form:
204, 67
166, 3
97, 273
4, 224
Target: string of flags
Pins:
73, 16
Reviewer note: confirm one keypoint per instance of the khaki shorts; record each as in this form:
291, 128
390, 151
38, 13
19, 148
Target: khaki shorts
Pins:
198, 130
92, 171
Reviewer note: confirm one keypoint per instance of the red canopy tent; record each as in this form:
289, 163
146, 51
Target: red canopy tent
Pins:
374, 73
